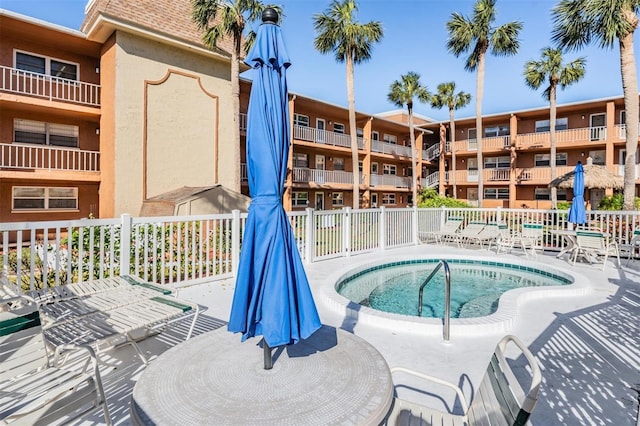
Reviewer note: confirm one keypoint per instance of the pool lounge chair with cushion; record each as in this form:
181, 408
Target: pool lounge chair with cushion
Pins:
499, 400
591, 244
447, 231
34, 390
505, 240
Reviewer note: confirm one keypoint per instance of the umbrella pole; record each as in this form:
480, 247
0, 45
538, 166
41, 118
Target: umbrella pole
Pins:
268, 361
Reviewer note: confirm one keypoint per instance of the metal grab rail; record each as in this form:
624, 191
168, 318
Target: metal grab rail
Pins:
447, 296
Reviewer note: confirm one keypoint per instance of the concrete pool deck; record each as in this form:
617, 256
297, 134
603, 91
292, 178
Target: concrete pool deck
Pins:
588, 344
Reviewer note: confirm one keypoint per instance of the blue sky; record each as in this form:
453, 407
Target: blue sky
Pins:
414, 40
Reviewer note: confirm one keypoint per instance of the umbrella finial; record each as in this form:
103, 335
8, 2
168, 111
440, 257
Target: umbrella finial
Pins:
269, 15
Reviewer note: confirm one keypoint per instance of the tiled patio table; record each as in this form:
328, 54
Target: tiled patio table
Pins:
333, 377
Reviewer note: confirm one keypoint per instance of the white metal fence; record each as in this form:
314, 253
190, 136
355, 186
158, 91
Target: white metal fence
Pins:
180, 251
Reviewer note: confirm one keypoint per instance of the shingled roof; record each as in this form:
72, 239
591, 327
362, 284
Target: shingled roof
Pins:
170, 18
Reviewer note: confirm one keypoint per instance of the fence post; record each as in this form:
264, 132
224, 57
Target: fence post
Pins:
383, 229
310, 237
499, 214
235, 242
346, 231
125, 244
414, 225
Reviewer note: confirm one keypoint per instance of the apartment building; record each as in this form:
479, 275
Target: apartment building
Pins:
320, 159
516, 147
96, 122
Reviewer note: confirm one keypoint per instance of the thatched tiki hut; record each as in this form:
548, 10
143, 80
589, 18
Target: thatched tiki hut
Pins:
595, 177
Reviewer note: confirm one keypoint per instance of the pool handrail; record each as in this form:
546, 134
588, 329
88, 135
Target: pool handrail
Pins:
447, 296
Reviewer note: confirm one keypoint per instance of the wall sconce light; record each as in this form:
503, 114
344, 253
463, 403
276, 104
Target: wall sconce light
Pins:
463, 160
460, 190
583, 116
329, 158
582, 154
97, 130
331, 122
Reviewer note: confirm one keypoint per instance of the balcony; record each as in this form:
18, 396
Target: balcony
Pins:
38, 157
322, 177
390, 148
310, 134
13, 80
500, 174
391, 180
538, 175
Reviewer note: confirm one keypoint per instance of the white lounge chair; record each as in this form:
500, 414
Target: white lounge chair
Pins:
505, 240
110, 312
34, 390
472, 230
488, 234
591, 244
447, 231
499, 400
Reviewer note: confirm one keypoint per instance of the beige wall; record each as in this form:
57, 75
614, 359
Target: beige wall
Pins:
168, 96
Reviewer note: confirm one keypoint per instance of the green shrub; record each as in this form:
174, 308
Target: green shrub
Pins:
564, 205
615, 202
430, 198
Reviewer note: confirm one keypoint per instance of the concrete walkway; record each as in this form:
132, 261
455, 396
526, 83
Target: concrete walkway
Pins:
586, 341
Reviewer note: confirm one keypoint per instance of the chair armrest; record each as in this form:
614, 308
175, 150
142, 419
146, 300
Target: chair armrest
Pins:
531, 396
458, 391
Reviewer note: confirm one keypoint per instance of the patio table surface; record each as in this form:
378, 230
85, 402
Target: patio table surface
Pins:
334, 377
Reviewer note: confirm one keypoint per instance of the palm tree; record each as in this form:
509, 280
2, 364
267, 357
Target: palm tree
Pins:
551, 69
219, 20
576, 23
477, 36
403, 92
448, 97
351, 43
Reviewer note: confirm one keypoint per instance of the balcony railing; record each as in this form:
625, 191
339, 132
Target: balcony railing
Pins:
28, 83
391, 180
304, 175
542, 174
431, 153
36, 157
499, 174
325, 137
243, 121
390, 148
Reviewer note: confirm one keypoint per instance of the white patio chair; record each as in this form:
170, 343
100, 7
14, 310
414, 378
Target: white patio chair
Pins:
505, 240
633, 244
470, 231
530, 237
591, 244
499, 400
34, 390
448, 230
488, 234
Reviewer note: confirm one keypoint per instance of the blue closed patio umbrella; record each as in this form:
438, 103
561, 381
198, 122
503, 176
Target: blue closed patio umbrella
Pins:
577, 213
272, 296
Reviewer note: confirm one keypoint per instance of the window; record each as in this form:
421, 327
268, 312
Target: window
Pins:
300, 160
389, 169
375, 136
598, 156
496, 193
27, 131
338, 128
47, 66
545, 159
545, 194
390, 139
492, 131
43, 198
497, 162
337, 198
338, 163
300, 120
388, 199
374, 168
300, 199
545, 125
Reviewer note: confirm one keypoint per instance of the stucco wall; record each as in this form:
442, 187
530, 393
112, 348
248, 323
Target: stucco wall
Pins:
176, 114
